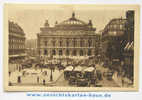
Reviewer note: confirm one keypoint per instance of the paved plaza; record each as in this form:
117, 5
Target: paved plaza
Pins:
42, 76
34, 77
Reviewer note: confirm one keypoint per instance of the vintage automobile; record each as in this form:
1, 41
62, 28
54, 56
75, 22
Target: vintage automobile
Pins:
26, 64
60, 66
67, 72
30, 72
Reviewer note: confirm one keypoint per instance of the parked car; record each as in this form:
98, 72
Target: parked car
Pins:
26, 64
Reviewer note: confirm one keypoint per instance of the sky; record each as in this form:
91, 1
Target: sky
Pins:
31, 18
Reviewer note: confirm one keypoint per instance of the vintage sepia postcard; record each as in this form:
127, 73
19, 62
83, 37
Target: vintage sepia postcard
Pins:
71, 47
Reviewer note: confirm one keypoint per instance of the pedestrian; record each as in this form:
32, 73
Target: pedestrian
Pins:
19, 68
23, 73
37, 79
44, 82
9, 73
19, 79
16, 66
10, 84
122, 82
45, 72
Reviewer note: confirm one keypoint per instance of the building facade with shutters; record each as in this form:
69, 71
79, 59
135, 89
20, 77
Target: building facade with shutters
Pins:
71, 38
16, 42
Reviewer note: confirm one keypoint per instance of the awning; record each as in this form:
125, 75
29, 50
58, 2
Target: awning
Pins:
129, 46
17, 55
90, 69
69, 68
78, 68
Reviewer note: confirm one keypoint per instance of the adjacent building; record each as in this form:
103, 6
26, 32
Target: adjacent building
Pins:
113, 35
16, 43
31, 47
72, 38
128, 45
118, 44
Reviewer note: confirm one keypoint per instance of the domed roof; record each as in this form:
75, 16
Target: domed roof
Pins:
70, 24
73, 21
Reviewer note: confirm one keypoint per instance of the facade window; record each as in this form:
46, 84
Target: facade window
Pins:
114, 33
61, 43
67, 52
81, 52
53, 52
121, 27
89, 52
39, 52
54, 42
89, 42
45, 43
60, 52
45, 52
115, 26
74, 43
81, 43
67, 43
74, 53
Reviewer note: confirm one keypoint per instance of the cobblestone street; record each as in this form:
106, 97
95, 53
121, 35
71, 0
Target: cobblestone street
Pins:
31, 76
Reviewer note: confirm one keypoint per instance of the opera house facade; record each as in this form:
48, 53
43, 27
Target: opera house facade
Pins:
71, 38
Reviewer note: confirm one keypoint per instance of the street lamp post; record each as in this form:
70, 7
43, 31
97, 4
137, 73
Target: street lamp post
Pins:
51, 76
122, 74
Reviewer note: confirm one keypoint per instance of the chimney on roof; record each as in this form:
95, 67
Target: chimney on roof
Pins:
90, 23
46, 23
56, 22
73, 15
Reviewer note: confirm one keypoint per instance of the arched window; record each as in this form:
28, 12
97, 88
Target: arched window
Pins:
45, 43
39, 52
89, 42
54, 42
81, 52
89, 52
74, 52
45, 52
74, 42
60, 43
53, 52
67, 52
67, 42
60, 52
81, 43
